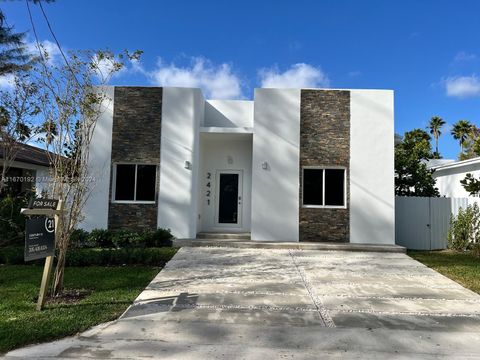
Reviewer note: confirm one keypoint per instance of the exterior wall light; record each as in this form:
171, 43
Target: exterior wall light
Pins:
264, 165
188, 165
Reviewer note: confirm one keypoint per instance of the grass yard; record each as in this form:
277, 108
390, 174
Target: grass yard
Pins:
463, 268
111, 289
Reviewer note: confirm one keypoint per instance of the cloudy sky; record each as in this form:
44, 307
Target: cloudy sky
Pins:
427, 51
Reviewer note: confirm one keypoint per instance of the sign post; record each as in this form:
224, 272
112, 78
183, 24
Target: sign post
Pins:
40, 237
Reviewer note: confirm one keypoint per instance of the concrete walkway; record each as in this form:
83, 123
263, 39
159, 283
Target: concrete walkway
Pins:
224, 303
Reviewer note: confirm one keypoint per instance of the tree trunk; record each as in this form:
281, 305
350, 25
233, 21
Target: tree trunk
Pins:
3, 185
436, 146
59, 271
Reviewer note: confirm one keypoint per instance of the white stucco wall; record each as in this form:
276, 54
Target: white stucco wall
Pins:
276, 141
95, 211
228, 113
182, 111
224, 152
448, 179
372, 201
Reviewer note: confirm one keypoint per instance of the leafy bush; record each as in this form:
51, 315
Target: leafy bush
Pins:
12, 223
100, 238
119, 239
476, 249
464, 229
99, 257
158, 238
80, 239
126, 238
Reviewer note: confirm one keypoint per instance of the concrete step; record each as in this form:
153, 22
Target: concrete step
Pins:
216, 235
245, 244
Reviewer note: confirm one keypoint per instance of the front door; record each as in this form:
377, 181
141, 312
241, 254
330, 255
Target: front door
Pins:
229, 198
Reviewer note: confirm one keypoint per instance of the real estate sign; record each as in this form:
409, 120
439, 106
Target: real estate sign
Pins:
42, 203
39, 238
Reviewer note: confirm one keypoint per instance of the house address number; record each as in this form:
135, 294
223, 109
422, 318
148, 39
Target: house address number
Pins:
208, 191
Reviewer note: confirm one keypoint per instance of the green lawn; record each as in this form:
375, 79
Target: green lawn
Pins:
463, 268
112, 290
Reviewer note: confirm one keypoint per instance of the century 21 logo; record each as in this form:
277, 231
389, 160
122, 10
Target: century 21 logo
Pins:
50, 225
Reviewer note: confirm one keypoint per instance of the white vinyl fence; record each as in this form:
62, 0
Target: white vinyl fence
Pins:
422, 223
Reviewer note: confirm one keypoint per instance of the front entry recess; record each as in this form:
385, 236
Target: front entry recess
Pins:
229, 198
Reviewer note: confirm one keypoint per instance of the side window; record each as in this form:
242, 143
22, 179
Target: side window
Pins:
324, 187
135, 182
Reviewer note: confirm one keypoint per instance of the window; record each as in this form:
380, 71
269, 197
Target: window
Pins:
324, 187
135, 182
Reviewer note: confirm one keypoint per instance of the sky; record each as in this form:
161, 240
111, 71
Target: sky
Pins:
428, 52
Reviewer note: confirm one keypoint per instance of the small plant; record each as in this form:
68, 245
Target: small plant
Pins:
126, 238
80, 239
465, 228
12, 223
101, 238
476, 249
158, 238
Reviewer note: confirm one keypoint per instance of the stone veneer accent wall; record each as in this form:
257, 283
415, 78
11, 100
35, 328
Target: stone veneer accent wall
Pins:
324, 142
137, 117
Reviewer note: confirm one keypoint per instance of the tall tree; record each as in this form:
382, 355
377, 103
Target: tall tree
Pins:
435, 125
71, 101
471, 145
417, 141
14, 56
460, 131
412, 178
18, 108
471, 184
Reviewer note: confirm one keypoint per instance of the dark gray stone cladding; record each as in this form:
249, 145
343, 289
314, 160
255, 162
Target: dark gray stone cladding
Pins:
137, 118
324, 142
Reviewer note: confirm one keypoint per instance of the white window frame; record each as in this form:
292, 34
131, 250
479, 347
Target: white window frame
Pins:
114, 185
344, 206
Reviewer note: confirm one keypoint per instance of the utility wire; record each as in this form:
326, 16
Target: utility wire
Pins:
57, 42
35, 33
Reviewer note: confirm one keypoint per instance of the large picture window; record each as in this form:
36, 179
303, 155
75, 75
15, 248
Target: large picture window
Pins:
134, 182
324, 187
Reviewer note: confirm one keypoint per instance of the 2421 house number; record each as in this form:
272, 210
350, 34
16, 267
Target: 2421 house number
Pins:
208, 191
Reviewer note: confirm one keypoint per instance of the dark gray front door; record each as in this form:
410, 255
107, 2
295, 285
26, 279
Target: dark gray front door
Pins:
228, 199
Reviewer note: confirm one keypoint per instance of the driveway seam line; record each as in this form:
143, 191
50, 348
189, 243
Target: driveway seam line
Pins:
406, 313
225, 307
321, 310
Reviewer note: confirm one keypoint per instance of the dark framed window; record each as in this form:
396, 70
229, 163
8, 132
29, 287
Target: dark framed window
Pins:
324, 187
135, 182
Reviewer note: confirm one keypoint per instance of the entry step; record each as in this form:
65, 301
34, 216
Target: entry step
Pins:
216, 235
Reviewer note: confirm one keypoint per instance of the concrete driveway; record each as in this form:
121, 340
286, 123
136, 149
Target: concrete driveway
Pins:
225, 303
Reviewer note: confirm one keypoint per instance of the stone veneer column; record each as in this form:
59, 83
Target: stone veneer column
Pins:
324, 142
137, 117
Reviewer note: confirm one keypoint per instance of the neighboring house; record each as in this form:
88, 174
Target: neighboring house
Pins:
448, 174
29, 170
291, 165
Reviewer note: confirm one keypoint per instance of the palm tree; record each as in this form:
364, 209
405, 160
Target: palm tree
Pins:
460, 131
435, 125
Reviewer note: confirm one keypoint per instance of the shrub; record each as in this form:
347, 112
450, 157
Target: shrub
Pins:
464, 229
98, 257
100, 238
80, 239
476, 249
126, 238
158, 238
12, 223
118, 239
